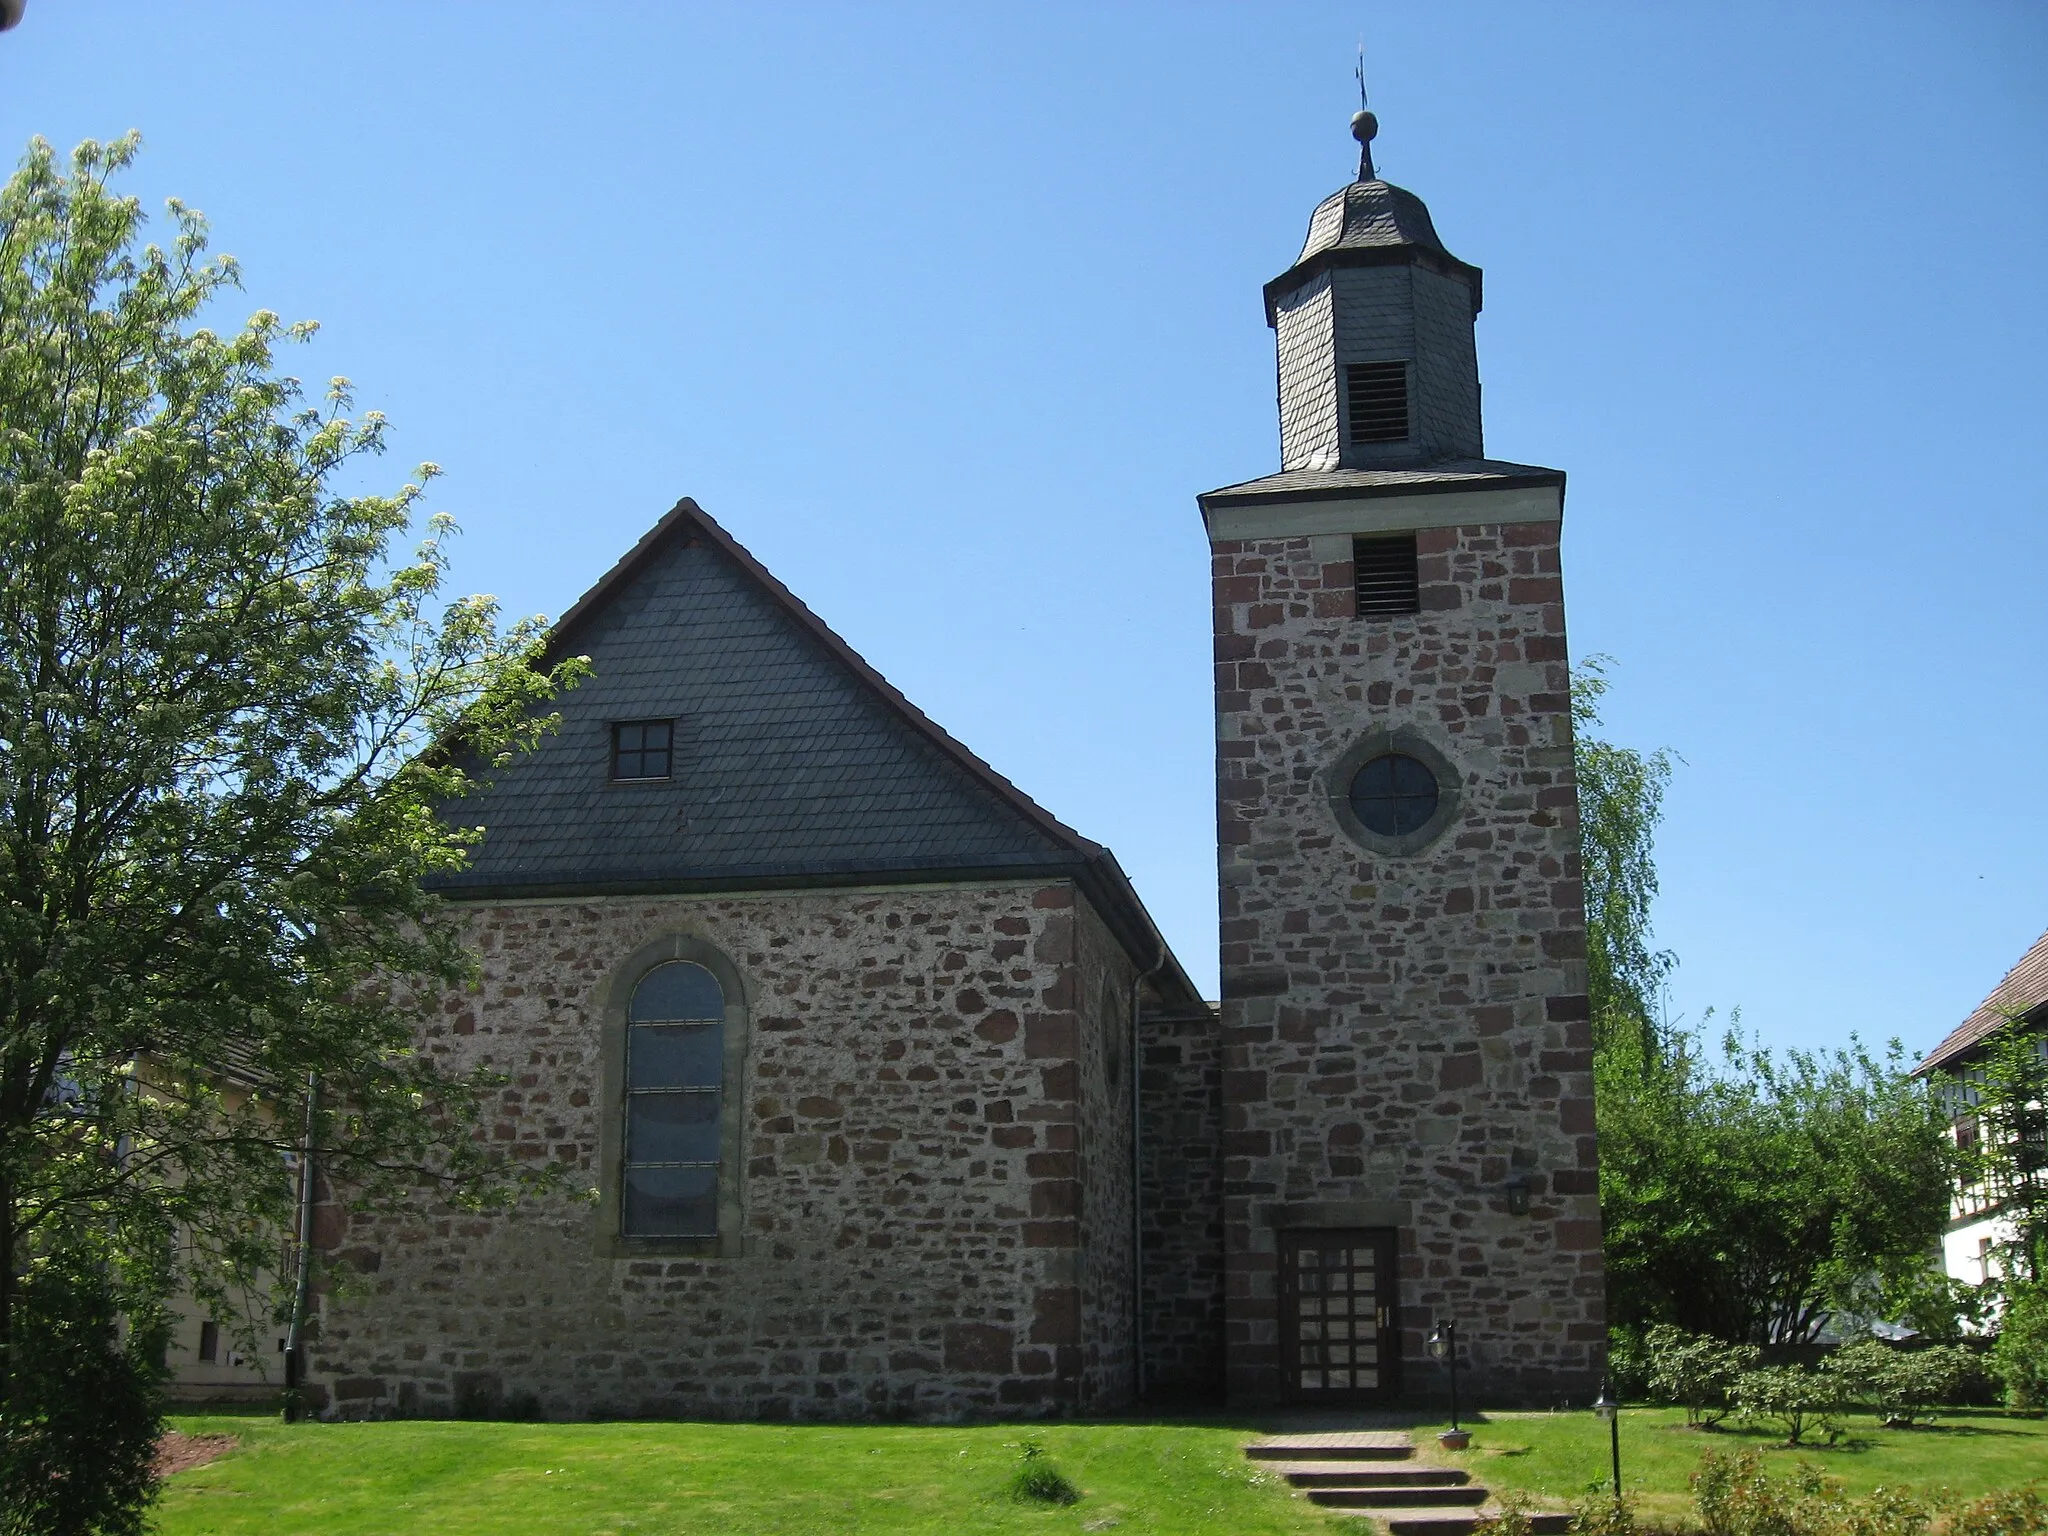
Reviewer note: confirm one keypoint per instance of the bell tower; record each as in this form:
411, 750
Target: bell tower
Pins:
1407, 1093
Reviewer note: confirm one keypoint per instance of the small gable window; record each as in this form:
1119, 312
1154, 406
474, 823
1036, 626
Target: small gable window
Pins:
1386, 574
1376, 399
643, 749
675, 1088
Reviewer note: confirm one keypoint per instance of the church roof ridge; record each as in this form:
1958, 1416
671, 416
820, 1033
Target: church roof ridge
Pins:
2023, 991
687, 511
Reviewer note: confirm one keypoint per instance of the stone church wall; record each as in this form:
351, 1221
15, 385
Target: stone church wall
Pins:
917, 1185
1406, 1036
1104, 977
1182, 1189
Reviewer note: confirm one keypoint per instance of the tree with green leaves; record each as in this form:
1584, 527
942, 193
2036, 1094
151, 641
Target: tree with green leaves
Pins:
1754, 1195
1744, 1195
219, 688
1621, 799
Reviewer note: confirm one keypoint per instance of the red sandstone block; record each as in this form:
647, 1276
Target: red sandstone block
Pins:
1062, 1082
1440, 599
1238, 589
1054, 896
1052, 1234
1575, 1116
1528, 534
1051, 1165
1244, 1087
1056, 1197
1573, 1006
1056, 1316
1463, 1070
1436, 541
1013, 1135
979, 1347
999, 1028
1535, 589
1578, 1236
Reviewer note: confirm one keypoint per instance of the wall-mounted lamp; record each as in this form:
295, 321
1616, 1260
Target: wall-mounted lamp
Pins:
1518, 1196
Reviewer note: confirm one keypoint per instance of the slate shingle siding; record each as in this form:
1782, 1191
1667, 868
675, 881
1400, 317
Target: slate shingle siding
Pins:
787, 764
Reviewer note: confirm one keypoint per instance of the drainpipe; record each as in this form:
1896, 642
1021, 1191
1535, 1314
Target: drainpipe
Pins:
1138, 1181
294, 1345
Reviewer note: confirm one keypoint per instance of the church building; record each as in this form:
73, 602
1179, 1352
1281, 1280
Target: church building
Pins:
882, 1093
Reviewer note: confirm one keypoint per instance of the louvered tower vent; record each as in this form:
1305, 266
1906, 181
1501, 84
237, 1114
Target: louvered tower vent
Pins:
1384, 569
1376, 397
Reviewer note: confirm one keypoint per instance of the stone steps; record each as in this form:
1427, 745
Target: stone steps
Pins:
1357, 1474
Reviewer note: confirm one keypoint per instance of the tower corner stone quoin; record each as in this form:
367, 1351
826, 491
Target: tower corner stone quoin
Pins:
1407, 1047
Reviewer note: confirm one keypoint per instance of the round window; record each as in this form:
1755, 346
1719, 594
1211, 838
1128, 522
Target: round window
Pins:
1394, 795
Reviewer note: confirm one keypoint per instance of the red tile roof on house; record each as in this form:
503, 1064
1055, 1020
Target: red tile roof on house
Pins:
2024, 989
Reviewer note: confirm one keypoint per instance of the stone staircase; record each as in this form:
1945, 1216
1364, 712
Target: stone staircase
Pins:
1372, 1473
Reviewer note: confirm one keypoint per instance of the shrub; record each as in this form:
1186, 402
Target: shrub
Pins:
1601, 1514
1795, 1400
1736, 1497
1628, 1363
2006, 1512
1696, 1371
1904, 1386
80, 1420
1511, 1519
2020, 1357
1038, 1481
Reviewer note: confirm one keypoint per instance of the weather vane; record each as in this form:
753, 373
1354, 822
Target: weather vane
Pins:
1363, 124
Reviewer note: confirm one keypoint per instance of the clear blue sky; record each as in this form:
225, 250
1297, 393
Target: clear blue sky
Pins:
949, 311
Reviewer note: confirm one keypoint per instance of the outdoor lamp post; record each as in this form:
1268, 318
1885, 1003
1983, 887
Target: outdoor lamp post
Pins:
1607, 1408
1443, 1345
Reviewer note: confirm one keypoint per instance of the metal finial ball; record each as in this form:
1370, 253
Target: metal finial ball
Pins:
1364, 127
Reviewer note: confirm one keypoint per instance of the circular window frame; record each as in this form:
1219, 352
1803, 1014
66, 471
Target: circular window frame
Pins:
1408, 743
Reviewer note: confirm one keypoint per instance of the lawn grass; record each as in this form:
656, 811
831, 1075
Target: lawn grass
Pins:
1160, 1478
650, 1479
1560, 1456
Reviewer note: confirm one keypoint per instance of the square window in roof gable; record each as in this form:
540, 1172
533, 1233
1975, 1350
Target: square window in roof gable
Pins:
643, 749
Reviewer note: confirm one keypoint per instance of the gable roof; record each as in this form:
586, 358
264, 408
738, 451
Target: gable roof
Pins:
2024, 990
796, 763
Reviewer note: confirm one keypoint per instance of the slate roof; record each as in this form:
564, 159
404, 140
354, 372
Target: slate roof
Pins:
796, 762
1352, 484
1369, 213
1369, 223
2024, 991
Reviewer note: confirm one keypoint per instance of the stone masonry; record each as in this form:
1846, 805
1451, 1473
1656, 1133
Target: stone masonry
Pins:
1410, 1031
935, 1190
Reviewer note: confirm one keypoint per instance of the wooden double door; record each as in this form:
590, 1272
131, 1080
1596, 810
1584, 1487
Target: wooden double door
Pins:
1338, 1315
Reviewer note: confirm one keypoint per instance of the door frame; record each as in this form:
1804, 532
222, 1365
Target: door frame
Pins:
1385, 1241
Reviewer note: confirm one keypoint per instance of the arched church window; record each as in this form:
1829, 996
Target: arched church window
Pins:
1394, 794
675, 1087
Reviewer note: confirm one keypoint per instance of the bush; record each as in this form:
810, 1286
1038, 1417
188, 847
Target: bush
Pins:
1795, 1400
1628, 1363
2020, 1357
1511, 1519
2007, 1512
1038, 1481
1904, 1386
79, 1421
1736, 1497
1601, 1514
1695, 1371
